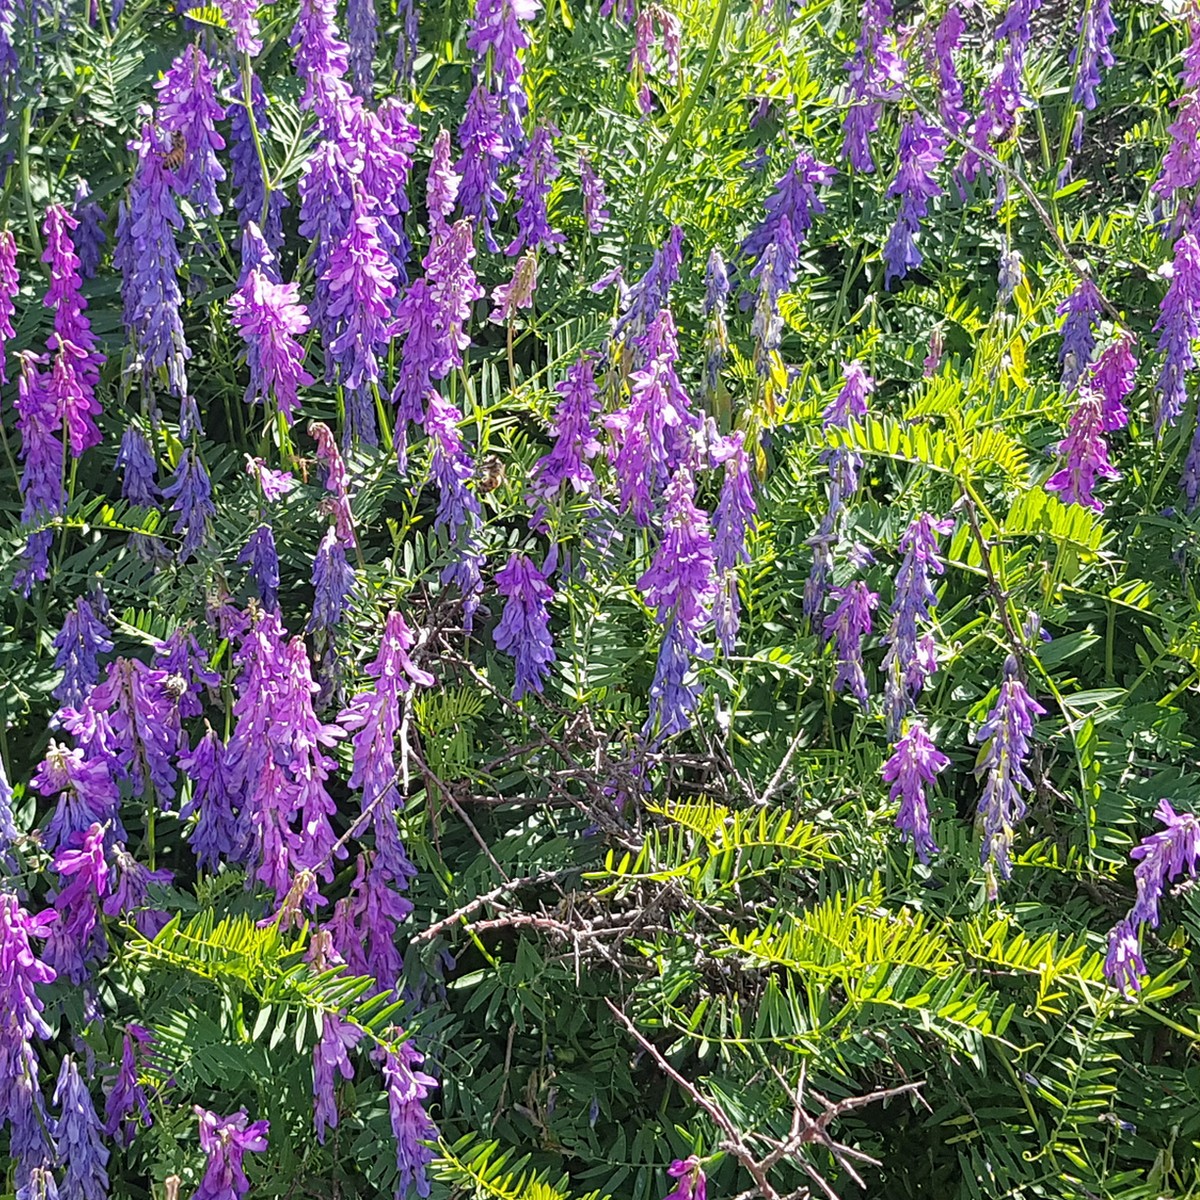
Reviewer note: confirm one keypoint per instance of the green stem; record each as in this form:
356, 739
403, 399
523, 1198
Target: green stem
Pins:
26, 192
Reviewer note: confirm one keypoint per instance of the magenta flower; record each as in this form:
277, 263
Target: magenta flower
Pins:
336, 482
484, 149
1181, 164
914, 765
78, 937
226, 1140
187, 112
1084, 453
270, 318
273, 484
331, 1057
1113, 377
691, 1183
85, 789
524, 628
365, 922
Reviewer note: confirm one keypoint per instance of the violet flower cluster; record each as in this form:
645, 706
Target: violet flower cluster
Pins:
913, 767
922, 148
524, 629
876, 72
1084, 453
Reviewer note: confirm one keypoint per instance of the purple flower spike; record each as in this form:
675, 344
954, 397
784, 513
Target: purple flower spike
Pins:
38, 423
575, 435
1181, 164
242, 20
90, 237
539, 167
331, 1057
1006, 740
10, 286
914, 765
922, 148
80, 642
126, 1107
271, 319
333, 581
77, 1136
495, 28
362, 25
260, 555
249, 183
1081, 308
735, 518
220, 834
950, 89
846, 627
524, 629
1096, 27
188, 111
1114, 376
407, 1088
337, 483
226, 1140
1178, 326
484, 149
1161, 858
190, 493
716, 336
1084, 452
876, 71
595, 215
78, 938
795, 200
649, 296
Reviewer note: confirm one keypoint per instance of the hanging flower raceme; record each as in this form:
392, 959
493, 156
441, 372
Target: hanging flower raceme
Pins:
86, 794
77, 1135
1084, 453
1113, 377
75, 372
221, 833
1081, 308
716, 333
849, 404
484, 149
251, 198
1161, 857
595, 215
794, 200
242, 20
127, 1106
407, 1089
876, 72
524, 628
574, 432
950, 90
79, 643
408, 43
1091, 52
271, 319
226, 1141
373, 719
149, 263
187, 113
539, 167
321, 59
129, 896
734, 518
78, 938
190, 493
260, 555
1178, 326
680, 586
914, 765
38, 423
495, 35
1005, 738
922, 148
333, 581
336, 482
365, 922
362, 26
846, 627
912, 652
1181, 164
652, 435
648, 297
775, 272
89, 237
10, 285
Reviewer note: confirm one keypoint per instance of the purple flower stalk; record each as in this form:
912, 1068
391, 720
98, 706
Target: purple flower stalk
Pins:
78, 937
1081, 309
190, 493
187, 112
1181, 164
914, 765
574, 432
85, 789
407, 1088
130, 891
775, 272
220, 833
999, 104
922, 148
331, 1057
337, 483
484, 149
226, 1140
365, 922
795, 201
912, 652
1178, 326
373, 719
539, 167
333, 581
10, 286
321, 61
242, 20
1096, 27
1006, 740
595, 215
1084, 453
1161, 857
876, 71
38, 422
273, 484
89, 238
81, 640
408, 43
271, 319
1113, 377
126, 1107
649, 296
691, 1183
950, 89
735, 518
495, 34
250, 197
187, 668
846, 627
716, 337
362, 25
260, 555
77, 1136
149, 262
524, 628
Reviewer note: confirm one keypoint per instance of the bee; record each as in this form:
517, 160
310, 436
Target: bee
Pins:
489, 473
173, 159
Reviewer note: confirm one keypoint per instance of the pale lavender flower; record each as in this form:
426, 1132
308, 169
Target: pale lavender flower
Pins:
271, 319
187, 112
407, 1088
911, 657
1081, 308
362, 25
914, 765
922, 148
226, 1140
539, 167
77, 1135
495, 31
1178, 326
524, 628
273, 484
846, 627
1006, 738
595, 215
1084, 453
242, 20
190, 493
1096, 27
